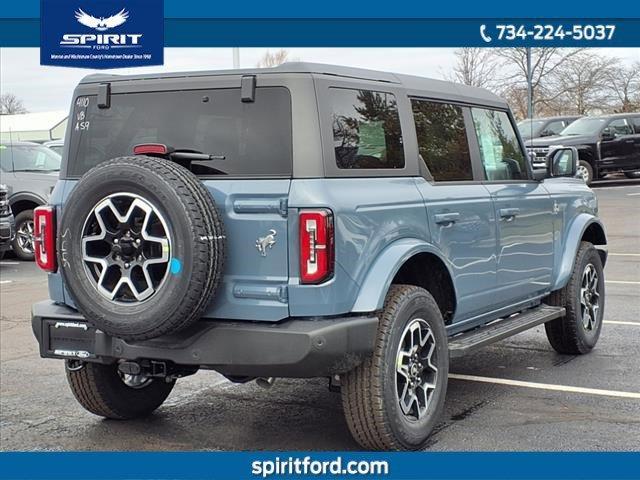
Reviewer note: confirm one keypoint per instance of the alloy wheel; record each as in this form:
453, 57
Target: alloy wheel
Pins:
24, 235
583, 173
126, 248
416, 372
589, 298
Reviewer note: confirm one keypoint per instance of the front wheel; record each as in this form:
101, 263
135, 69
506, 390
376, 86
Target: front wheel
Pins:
23, 243
583, 298
585, 171
393, 400
104, 391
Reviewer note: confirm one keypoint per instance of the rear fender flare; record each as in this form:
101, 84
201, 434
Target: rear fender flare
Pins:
375, 286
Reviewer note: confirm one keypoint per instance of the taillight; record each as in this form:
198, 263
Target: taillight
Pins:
44, 219
316, 245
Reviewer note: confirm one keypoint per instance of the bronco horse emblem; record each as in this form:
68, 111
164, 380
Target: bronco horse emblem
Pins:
266, 242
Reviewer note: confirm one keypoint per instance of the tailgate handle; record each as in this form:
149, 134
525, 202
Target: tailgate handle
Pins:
447, 218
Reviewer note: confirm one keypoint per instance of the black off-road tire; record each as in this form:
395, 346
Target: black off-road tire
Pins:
568, 335
198, 241
369, 399
100, 390
22, 218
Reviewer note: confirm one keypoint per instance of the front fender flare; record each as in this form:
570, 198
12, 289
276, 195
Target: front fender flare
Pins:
26, 196
571, 245
373, 289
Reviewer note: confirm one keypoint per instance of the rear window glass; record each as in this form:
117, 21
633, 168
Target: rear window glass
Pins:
366, 129
253, 137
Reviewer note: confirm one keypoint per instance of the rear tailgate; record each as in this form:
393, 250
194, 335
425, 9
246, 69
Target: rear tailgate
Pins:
249, 175
254, 286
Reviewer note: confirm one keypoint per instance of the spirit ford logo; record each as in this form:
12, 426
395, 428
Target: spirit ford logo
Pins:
100, 39
101, 24
101, 33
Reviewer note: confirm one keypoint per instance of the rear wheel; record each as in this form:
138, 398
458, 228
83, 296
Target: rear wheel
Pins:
104, 391
583, 298
23, 243
393, 400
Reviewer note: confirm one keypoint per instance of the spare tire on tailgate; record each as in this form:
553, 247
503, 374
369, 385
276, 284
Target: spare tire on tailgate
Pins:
140, 247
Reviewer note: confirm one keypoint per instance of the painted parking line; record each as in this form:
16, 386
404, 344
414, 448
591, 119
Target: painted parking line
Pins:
3, 282
617, 322
546, 386
633, 194
624, 254
622, 282
9, 263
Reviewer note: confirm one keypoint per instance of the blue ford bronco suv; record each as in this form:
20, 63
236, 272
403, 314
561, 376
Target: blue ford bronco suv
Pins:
306, 221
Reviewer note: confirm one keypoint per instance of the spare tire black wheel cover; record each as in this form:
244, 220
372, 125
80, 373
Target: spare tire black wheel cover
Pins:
141, 247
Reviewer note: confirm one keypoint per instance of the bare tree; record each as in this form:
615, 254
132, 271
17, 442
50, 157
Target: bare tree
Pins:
624, 85
475, 66
10, 104
274, 59
544, 63
580, 84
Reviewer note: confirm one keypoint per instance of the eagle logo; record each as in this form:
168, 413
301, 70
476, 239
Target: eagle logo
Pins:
101, 24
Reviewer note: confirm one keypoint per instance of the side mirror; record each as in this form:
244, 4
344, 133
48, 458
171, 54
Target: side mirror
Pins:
607, 134
562, 162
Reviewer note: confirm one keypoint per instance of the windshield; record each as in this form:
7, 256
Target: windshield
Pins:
585, 126
530, 128
246, 138
29, 158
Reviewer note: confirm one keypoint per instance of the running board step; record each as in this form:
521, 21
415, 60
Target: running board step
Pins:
464, 343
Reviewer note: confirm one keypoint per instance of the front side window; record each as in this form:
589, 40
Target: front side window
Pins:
500, 151
636, 124
554, 128
442, 140
366, 129
620, 127
29, 158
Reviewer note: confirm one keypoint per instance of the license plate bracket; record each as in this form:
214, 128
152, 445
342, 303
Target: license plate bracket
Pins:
69, 339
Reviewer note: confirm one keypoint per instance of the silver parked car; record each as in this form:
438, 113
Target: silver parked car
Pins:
30, 172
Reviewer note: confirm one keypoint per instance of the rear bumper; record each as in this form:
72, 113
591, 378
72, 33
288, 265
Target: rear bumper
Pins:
291, 348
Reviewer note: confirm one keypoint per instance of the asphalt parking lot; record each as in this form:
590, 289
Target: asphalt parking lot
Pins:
515, 395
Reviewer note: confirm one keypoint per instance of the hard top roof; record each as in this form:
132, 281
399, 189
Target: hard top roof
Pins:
414, 84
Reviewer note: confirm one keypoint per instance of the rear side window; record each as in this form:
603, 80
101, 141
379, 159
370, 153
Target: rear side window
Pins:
254, 137
442, 140
500, 151
366, 129
636, 124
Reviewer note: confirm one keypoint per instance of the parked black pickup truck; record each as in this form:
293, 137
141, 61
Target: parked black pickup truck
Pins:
606, 144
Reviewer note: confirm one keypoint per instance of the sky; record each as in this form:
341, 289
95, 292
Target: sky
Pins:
50, 88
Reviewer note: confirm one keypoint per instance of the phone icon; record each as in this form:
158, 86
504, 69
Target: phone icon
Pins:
484, 35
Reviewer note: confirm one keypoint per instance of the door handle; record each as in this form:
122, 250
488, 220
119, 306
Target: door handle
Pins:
509, 213
446, 218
